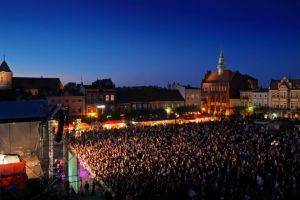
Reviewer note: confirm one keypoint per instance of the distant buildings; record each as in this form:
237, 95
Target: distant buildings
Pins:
147, 98
257, 98
12, 88
220, 92
99, 97
72, 99
191, 96
220, 89
260, 98
284, 95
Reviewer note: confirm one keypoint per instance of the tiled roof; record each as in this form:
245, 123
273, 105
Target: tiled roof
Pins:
261, 90
146, 94
36, 83
4, 67
274, 84
226, 76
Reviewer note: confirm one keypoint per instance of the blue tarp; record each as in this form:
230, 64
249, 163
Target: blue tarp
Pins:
16, 111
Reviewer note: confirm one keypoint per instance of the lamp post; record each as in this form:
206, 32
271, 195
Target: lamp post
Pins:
168, 111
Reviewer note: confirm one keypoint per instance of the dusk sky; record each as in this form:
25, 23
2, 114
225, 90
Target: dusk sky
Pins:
149, 42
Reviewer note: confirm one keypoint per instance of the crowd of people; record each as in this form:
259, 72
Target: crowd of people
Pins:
228, 159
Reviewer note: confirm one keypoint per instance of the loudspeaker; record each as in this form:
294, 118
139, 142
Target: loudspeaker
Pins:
60, 130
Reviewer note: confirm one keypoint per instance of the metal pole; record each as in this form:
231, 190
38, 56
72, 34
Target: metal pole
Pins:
49, 130
66, 156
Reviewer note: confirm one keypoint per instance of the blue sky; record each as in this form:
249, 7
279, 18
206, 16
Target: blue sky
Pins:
150, 42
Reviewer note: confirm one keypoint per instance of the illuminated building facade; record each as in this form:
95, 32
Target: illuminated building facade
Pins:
284, 95
257, 98
99, 97
5, 76
260, 98
218, 87
246, 98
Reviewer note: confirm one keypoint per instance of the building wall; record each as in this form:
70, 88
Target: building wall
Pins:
5, 80
260, 99
180, 88
76, 104
235, 103
153, 105
215, 97
193, 98
95, 97
246, 98
285, 96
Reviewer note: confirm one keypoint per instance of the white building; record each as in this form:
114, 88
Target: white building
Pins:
259, 98
191, 95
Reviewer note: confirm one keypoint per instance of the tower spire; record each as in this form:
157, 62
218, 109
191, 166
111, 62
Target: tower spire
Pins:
221, 64
4, 57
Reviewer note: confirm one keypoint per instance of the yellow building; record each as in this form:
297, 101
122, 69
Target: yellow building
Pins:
75, 104
284, 96
218, 87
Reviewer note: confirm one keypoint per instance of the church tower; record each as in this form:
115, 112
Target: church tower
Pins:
221, 64
5, 76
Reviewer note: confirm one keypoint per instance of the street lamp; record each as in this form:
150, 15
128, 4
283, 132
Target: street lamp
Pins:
168, 111
102, 107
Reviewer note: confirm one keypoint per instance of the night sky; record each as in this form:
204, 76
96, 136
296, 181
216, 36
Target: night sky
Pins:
150, 42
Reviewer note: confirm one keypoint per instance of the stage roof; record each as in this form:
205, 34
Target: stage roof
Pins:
23, 111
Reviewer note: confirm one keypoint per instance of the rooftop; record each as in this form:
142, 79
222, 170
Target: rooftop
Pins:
4, 67
36, 83
146, 94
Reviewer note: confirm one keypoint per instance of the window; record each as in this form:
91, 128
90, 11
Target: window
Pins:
88, 109
112, 97
107, 97
133, 106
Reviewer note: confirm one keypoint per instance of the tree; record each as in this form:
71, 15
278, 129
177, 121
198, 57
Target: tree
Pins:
71, 88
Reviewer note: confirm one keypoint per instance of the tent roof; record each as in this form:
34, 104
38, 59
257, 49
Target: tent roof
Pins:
23, 111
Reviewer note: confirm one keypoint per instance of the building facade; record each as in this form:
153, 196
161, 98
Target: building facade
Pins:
99, 97
75, 104
218, 87
260, 98
147, 98
284, 95
246, 98
191, 95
